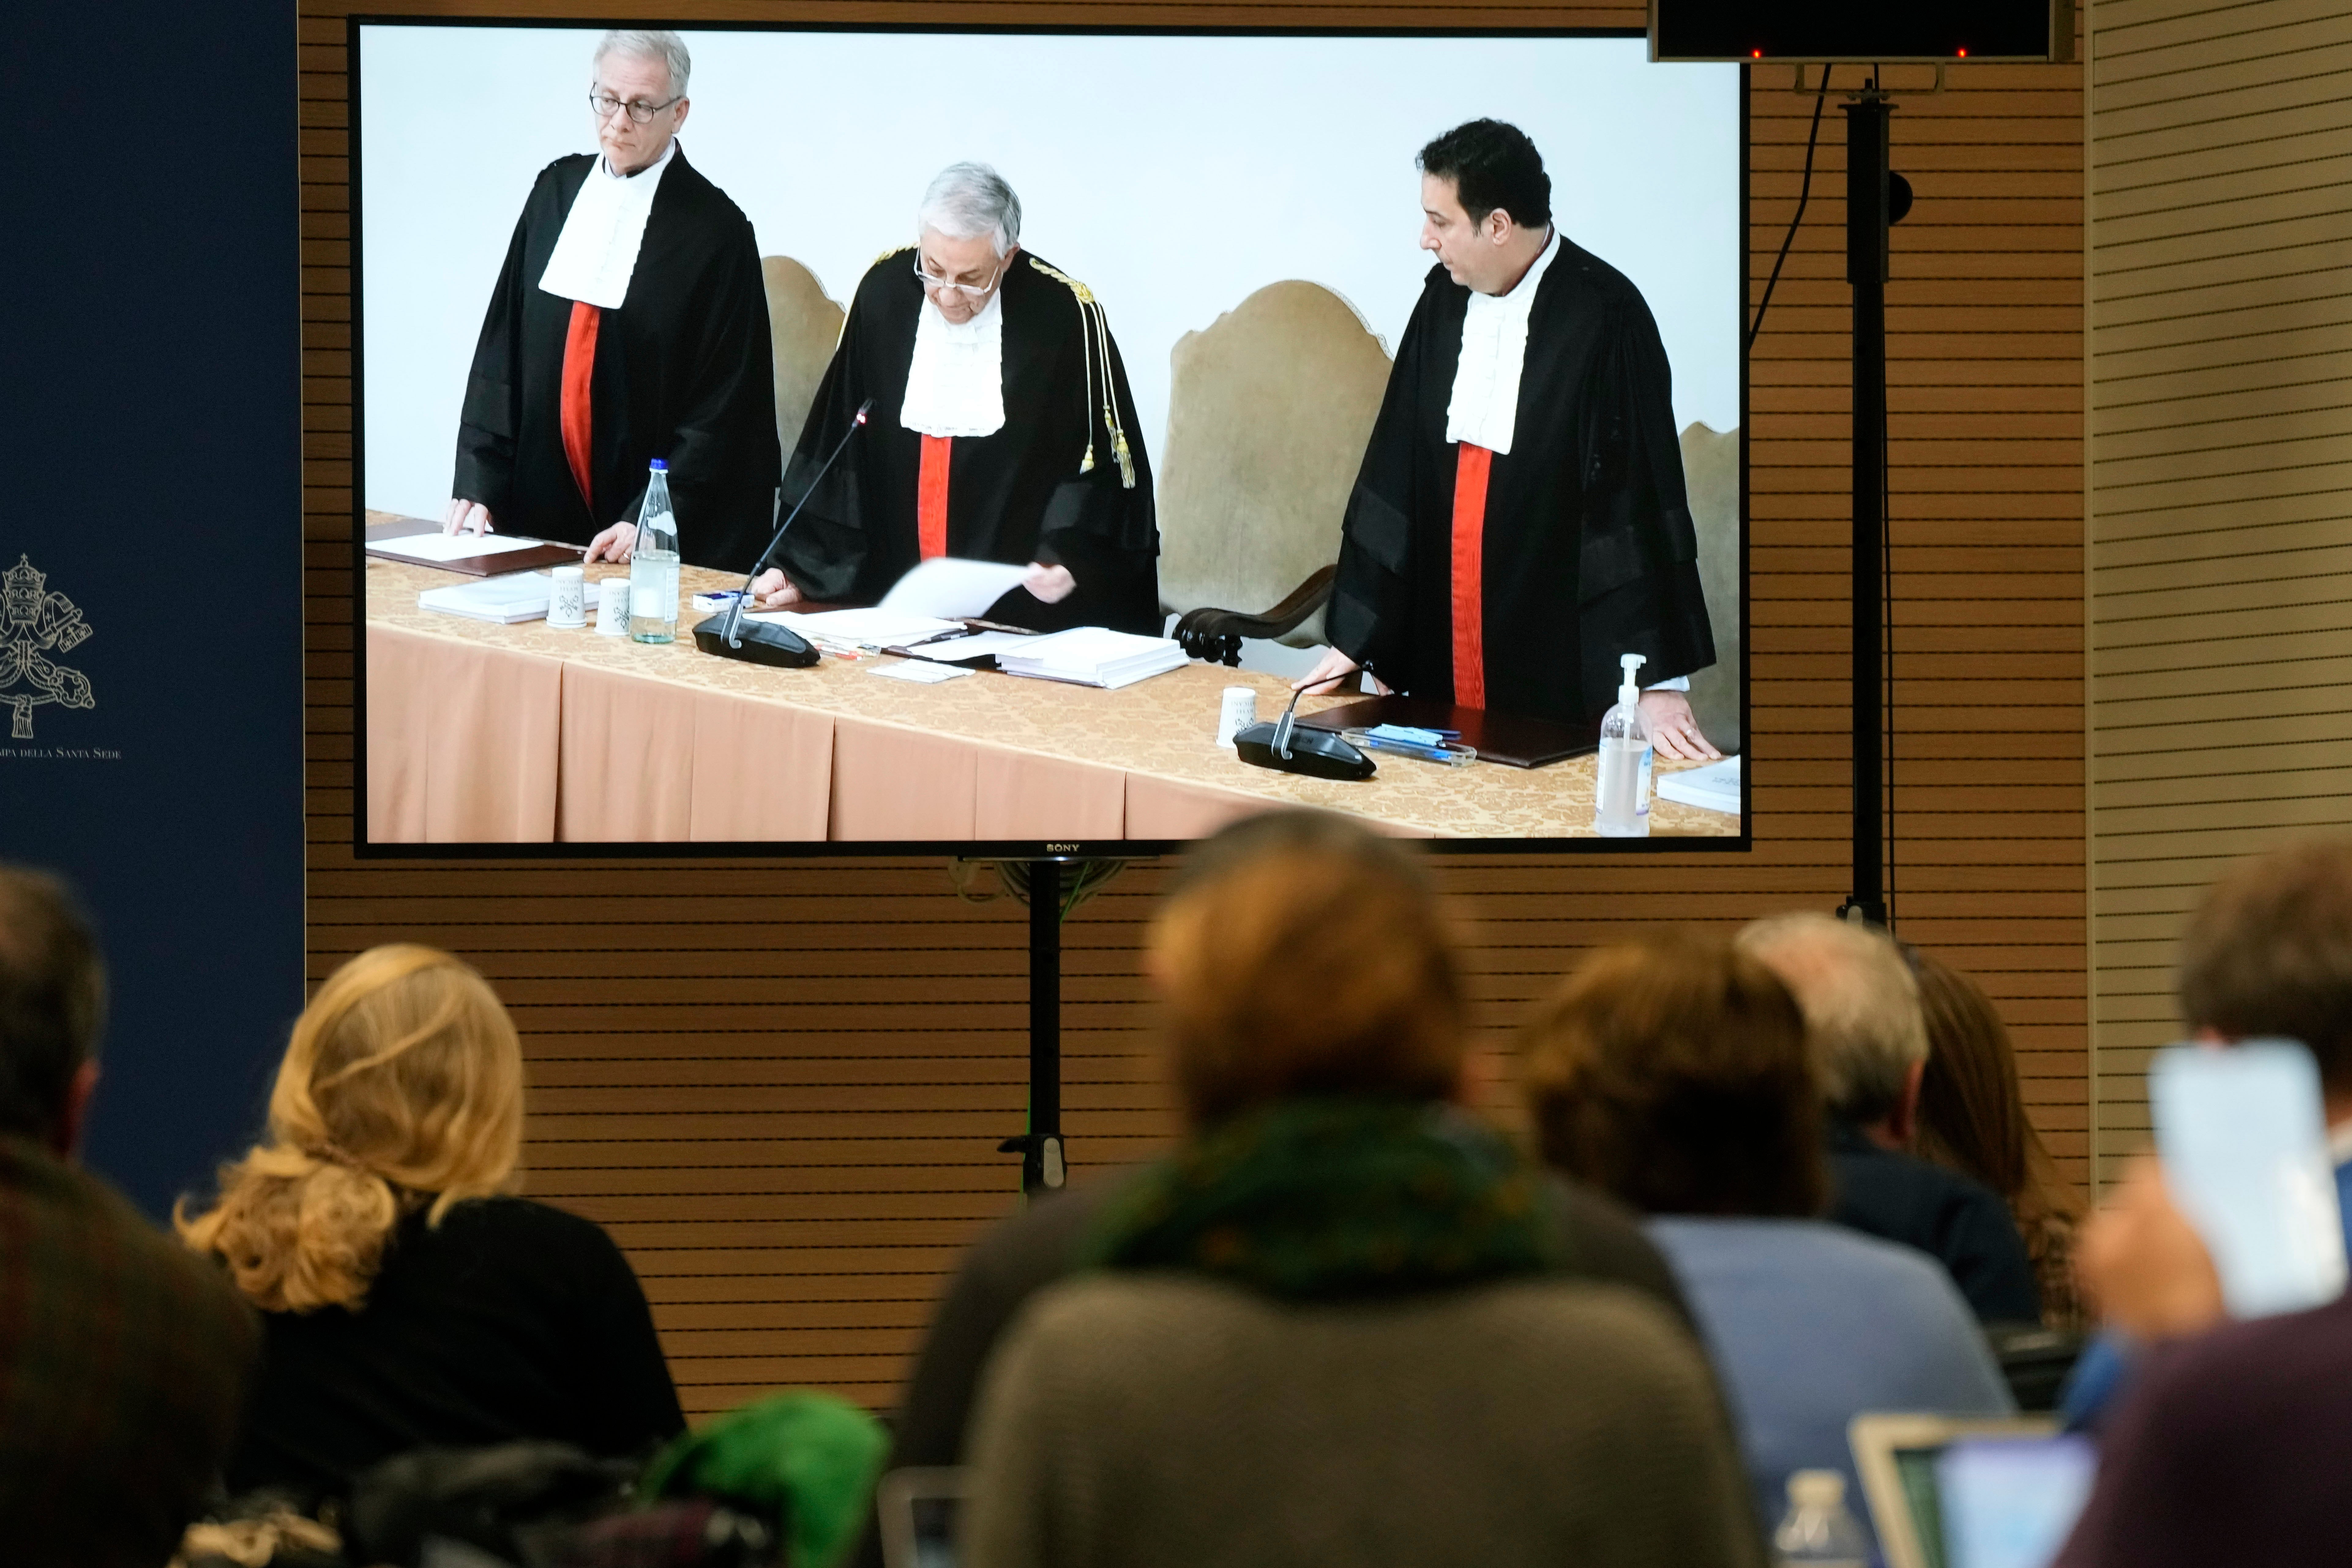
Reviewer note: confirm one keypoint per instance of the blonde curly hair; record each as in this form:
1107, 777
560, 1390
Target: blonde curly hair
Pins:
402, 1086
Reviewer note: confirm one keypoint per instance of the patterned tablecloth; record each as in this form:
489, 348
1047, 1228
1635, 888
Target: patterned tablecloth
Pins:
1143, 758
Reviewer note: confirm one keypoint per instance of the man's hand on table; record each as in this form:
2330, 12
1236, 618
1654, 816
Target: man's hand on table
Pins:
1332, 669
1673, 728
466, 517
772, 589
1049, 585
614, 544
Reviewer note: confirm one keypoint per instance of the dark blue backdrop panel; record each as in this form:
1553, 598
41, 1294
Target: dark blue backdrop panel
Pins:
150, 379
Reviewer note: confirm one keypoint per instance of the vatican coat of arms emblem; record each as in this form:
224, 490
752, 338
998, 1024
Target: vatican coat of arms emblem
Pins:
34, 623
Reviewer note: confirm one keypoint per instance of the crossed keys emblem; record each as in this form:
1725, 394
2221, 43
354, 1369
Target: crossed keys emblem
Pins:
35, 623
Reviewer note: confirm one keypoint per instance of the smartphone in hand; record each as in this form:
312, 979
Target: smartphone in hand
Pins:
2243, 1139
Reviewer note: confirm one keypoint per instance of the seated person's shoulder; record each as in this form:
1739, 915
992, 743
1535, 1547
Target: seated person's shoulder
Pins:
520, 1233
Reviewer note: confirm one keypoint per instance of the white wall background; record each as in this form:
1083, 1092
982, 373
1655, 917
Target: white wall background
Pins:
1176, 175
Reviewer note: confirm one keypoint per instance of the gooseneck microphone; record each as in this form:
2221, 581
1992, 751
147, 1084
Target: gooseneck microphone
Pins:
725, 634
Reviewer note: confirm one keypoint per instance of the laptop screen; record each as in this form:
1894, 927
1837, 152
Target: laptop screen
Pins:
2008, 1502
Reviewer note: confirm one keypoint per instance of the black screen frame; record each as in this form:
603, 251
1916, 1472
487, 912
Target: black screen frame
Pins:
364, 848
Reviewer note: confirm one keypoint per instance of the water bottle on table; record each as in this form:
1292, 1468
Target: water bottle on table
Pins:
1620, 801
652, 563
1817, 1531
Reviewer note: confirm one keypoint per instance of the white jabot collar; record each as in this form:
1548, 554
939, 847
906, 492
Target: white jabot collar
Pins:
596, 254
955, 383
1486, 407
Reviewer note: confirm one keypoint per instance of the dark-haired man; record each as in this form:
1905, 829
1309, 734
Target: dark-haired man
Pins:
629, 322
122, 1354
1520, 522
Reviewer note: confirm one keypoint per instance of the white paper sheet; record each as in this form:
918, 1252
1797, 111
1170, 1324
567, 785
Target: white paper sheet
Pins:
953, 587
860, 628
438, 547
1715, 786
962, 650
921, 673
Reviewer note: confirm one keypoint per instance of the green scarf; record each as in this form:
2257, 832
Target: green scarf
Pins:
1331, 1199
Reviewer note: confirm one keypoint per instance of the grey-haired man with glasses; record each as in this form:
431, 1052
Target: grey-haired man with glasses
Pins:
1001, 430
629, 322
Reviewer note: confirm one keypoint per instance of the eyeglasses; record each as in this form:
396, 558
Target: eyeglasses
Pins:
971, 291
640, 112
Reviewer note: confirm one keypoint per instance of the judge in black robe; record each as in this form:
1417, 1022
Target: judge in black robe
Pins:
681, 370
1064, 482
1588, 549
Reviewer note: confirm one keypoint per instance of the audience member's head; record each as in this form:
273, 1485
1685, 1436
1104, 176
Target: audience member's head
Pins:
2269, 953
1862, 1013
1301, 954
52, 1009
1673, 1073
1971, 1107
402, 1085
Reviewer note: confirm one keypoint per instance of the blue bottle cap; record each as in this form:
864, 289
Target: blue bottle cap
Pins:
660, 467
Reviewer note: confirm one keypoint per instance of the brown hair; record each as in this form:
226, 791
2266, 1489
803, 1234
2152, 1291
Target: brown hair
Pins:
1302, 953
402, 1085
1673, 1072
52, 1000
2269, 953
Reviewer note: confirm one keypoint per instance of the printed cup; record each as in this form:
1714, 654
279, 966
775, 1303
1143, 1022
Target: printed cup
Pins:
567, 599
1236, 713
612, 608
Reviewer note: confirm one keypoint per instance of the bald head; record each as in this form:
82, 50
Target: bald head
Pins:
1862, 1012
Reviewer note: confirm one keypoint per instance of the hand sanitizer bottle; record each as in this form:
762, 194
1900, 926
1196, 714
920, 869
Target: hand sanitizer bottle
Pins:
653, 564
1621, 797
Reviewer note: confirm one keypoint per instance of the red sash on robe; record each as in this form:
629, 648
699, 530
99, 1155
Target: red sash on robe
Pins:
573, 418
1470, 575
931, 496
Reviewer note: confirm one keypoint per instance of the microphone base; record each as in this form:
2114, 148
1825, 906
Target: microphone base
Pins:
762, 643
1316, 753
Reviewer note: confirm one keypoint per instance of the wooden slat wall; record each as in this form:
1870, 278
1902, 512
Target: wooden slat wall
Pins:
781, 1084
2220, 532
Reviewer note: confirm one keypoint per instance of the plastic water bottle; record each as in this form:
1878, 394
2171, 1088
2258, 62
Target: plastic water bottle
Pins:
653, 564
1620, 795
1817, 1531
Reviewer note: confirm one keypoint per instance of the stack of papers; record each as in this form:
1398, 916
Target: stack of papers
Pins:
1093, 656
1715, 786
517, 597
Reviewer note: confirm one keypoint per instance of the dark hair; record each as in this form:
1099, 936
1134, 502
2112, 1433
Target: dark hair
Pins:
52, 1000
1492, 166
1672, 1074
1302, 953
2269, 952
1971, 1110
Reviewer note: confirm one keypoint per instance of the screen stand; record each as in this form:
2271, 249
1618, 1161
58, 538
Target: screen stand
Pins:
1042, 1166
1875, 198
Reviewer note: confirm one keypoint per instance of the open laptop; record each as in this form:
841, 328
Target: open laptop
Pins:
1970, 1492
917, 1508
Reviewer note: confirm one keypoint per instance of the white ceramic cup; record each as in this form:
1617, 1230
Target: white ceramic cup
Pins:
612, 608
1236, 713
567, 599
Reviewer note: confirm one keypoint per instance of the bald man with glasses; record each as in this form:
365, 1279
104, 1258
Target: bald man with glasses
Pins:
1002, 430
629, 322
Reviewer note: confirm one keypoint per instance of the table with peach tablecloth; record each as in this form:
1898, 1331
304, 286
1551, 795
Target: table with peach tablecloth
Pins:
529, 734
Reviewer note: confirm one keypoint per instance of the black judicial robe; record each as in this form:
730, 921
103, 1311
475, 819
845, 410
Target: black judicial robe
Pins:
1016, 496
683, 371
1590, 551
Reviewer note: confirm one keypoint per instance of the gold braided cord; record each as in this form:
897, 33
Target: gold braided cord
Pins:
893, 250
1094, 327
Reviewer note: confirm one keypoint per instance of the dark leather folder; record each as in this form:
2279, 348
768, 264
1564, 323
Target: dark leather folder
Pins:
383, 525
1511, 739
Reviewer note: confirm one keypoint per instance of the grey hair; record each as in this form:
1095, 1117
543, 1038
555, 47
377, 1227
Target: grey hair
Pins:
1862, 1020
651, 44
969, 200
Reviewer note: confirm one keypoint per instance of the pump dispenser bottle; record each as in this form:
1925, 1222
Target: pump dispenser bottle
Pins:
1620, 799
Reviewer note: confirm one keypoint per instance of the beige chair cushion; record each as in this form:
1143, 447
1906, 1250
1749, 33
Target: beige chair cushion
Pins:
805, 325
1711, 473
1269, 409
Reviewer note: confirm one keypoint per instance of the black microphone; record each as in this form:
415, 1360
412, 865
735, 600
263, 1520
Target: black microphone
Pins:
762, 642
